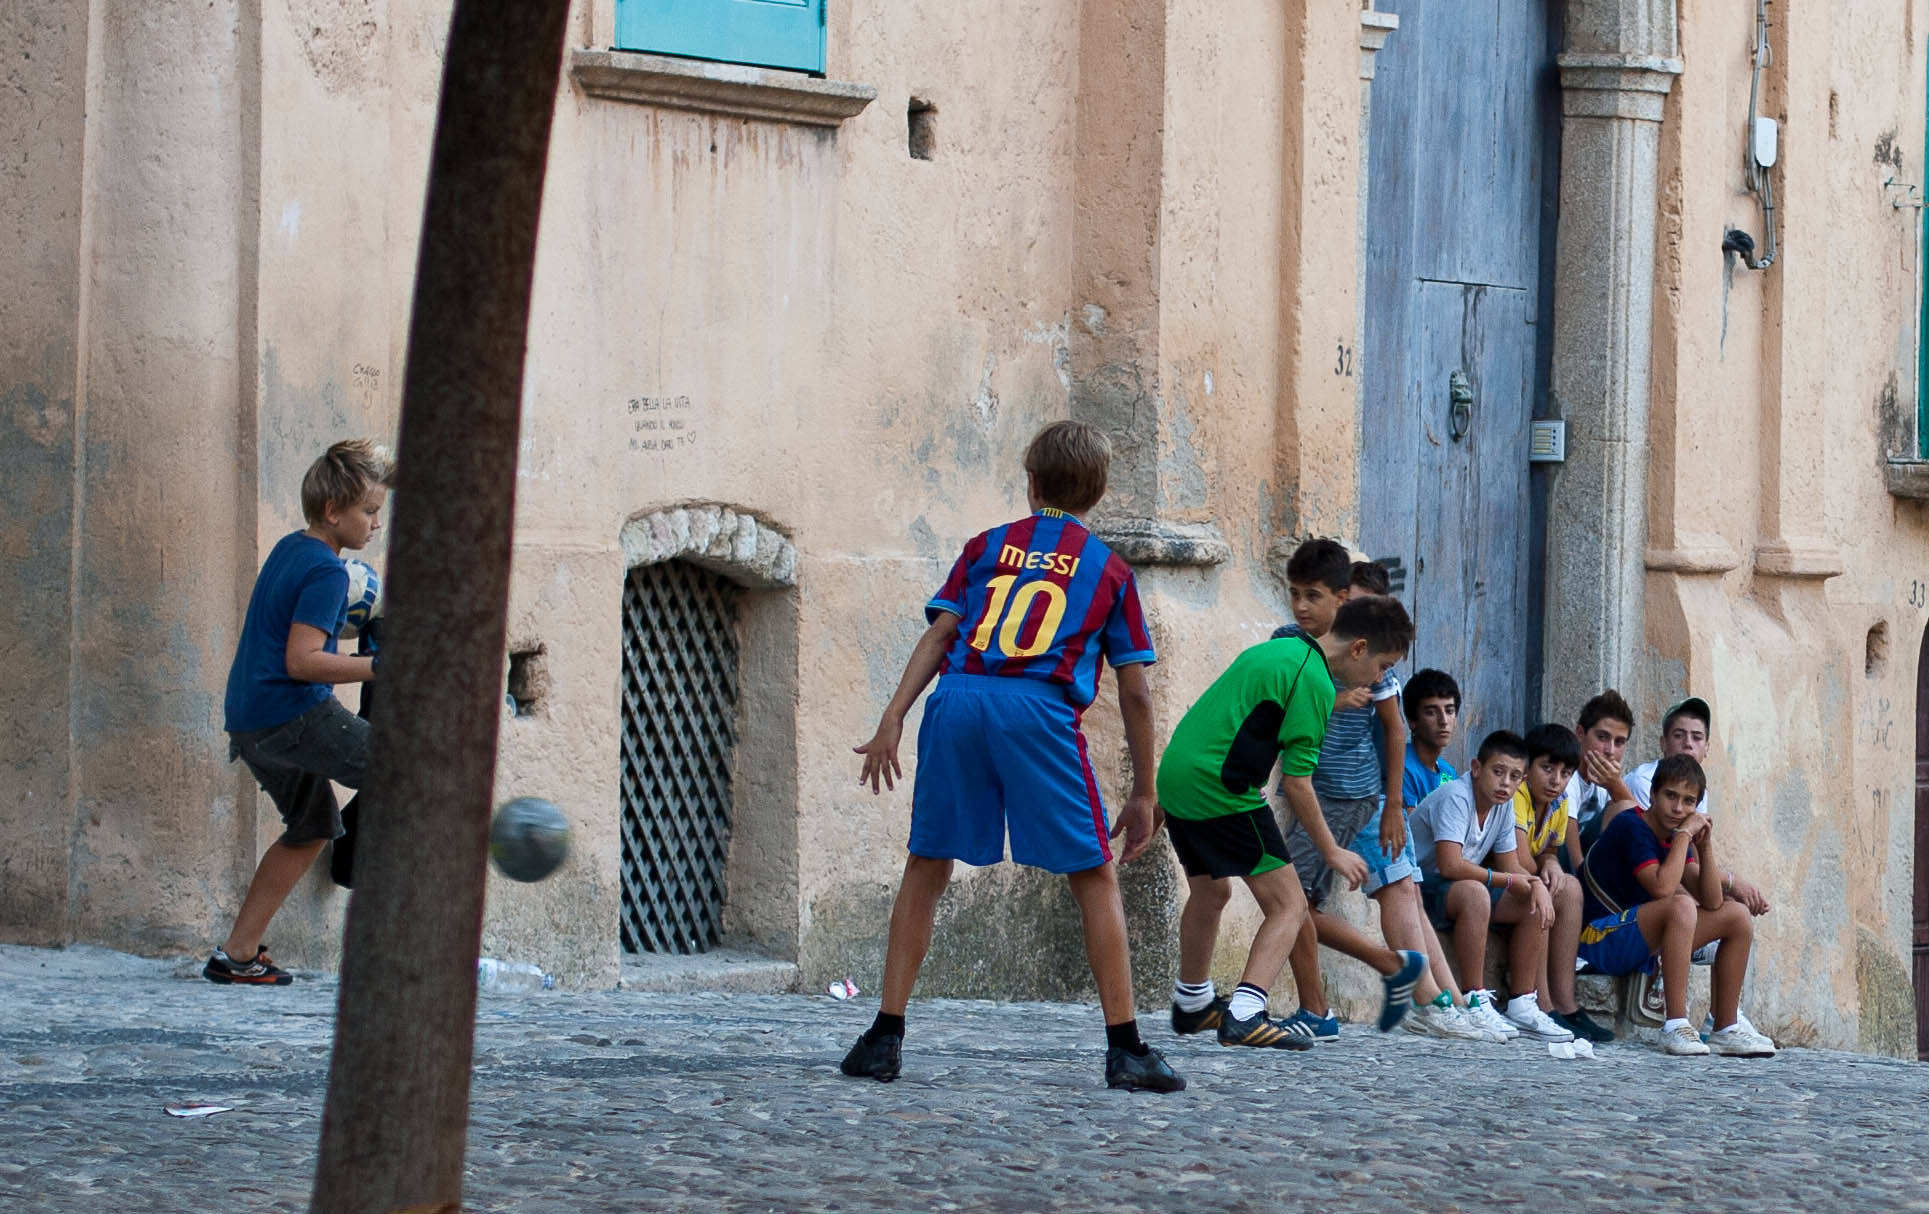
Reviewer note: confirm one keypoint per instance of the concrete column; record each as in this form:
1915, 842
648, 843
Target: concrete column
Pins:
1614, 88
43, 127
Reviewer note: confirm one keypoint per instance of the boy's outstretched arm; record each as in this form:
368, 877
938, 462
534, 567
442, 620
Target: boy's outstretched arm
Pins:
1305, 806
927, 656
1140, 819
1393, 826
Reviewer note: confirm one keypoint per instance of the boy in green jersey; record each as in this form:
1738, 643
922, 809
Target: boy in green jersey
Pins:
1272, 704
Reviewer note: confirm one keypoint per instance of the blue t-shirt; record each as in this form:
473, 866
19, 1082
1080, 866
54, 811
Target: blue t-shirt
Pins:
301, 582
1350, 767
1042, 598
1626, 847
1419, 783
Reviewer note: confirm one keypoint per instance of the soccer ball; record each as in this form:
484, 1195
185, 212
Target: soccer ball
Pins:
364, 596
529, 839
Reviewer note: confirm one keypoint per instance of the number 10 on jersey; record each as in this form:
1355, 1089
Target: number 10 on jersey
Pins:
1012, 608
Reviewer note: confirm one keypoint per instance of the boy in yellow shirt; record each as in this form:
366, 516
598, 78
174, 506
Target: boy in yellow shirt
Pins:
1540, 822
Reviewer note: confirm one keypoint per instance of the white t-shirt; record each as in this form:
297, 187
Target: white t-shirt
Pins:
1641, 784
1585, 801
1447, 815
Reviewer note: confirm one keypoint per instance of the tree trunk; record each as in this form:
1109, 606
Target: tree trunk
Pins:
396, 1120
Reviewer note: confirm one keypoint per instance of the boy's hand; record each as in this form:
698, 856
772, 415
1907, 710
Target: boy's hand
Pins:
1748, 896
881, 756
1139, 822
1347, 865
1393, 833
1704, 832
1596, 769
1353, 697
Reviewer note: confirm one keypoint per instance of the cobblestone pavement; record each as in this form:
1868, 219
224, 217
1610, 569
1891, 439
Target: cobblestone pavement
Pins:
618, 1100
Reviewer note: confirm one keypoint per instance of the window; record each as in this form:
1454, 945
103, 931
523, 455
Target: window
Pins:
762, 33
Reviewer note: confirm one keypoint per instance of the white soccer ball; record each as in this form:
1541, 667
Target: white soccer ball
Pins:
364, 596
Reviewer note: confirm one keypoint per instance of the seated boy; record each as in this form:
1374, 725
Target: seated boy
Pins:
1472, 876
1687, 729
1540, 823
1431, 702
1596, 790
1019, 630
1272, 704
1654, 889
1353, 778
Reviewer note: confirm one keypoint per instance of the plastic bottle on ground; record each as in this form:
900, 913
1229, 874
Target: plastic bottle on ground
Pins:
494, 975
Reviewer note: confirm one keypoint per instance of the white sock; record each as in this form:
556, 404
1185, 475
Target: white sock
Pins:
1193, 996
1247, 1001
1679, 1022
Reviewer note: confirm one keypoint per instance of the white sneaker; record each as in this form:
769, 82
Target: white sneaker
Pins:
1739, 1041
1480, 1010
1524, 1011
1741, 1018
1474, 1031
1705, 955
1447, 1023
1683, 1042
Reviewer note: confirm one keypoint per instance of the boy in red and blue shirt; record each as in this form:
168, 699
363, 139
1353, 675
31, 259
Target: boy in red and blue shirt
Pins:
1017, 635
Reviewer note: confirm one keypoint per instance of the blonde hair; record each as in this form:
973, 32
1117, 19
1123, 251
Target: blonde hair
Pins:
343, 476
1067, 462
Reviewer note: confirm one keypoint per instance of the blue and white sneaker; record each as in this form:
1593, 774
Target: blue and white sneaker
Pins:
1313, 1028
1399, 989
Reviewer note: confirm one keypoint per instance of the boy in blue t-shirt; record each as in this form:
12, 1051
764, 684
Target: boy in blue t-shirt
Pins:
1654, 890
282, 717
1018, 633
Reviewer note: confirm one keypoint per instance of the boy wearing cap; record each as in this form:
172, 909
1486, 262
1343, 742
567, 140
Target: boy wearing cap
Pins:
1688, 729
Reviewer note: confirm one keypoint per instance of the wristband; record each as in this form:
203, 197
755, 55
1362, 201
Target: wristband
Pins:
1490, 878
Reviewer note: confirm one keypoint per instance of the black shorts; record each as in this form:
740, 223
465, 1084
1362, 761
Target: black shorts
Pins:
1234, 845
294, 762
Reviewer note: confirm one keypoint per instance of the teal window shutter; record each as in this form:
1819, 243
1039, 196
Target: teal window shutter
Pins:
763, 33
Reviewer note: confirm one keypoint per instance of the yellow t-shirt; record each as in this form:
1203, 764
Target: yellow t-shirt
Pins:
1551, 828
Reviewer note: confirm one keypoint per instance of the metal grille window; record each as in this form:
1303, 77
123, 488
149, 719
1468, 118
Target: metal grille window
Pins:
679, 731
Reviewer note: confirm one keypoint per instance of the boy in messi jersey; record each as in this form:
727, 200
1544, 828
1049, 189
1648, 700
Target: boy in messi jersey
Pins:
1272, 704
1017, 635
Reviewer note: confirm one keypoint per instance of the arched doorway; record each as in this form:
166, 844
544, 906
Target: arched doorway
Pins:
1921, 916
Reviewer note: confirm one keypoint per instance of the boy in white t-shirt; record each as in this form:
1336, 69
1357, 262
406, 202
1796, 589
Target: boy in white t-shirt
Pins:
1471, 876
1688, 729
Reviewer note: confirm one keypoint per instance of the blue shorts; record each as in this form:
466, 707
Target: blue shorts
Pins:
1613, 944
1381, 871
998, 752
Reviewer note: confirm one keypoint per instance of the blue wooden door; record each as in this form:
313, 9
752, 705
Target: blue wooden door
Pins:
1452, 361
764, 33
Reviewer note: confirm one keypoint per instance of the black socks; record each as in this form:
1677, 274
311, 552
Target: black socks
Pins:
1125, 1036
886, 1025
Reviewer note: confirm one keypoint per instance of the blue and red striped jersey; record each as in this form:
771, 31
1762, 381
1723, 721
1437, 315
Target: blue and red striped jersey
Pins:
1042, 598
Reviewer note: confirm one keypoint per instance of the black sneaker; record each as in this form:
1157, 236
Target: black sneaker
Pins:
225, 970
1147, 1072
874, 1059
1187, 1023
1579, 1023
1263, 1031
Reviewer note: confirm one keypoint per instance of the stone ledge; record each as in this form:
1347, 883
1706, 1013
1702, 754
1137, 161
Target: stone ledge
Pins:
717, 88
1150, 541
1790, 559
1693, 558
722, 970
1907, 478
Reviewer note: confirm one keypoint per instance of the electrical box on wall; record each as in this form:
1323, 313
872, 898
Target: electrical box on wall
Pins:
1547, 442
1763, 138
